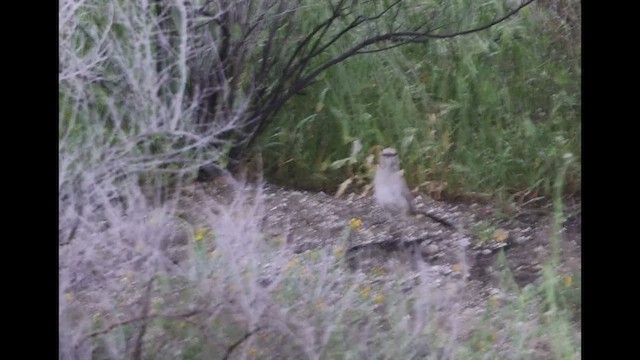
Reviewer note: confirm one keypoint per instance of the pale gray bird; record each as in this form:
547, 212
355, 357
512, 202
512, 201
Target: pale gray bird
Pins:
391, 191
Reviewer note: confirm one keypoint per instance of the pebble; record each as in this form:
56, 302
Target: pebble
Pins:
431, 249
445, 270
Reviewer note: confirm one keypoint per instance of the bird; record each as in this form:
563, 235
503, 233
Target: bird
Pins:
391, 191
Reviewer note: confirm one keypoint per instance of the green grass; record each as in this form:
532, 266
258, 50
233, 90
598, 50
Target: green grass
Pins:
556, 300
491, 112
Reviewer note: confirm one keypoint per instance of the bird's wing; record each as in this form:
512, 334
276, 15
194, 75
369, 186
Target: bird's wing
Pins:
406, 193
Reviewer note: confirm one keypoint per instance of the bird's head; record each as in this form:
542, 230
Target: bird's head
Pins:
389, 159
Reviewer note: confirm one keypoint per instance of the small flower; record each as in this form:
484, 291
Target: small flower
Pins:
313, 255
293, 263
379, 299
500, 235
339, 250
201, 233
252, 352
568, 280
279, 240
378, 271
355, 223
366, 292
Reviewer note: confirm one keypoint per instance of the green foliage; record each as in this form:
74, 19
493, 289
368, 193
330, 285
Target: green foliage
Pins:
492, 112
483, 231
555, 296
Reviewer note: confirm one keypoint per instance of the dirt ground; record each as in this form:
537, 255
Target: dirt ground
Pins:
310, 221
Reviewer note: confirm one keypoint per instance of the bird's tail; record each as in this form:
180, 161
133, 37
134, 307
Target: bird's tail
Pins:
438, 219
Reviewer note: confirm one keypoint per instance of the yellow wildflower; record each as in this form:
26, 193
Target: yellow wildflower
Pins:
201, 233
279, 240
293, 263
378, 271
568, 280
366, 292
500, 235
252, 352
339, 250
379, 299
355, 223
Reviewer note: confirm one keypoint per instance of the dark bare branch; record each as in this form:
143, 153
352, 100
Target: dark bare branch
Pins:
137, 350
238, 343
295, 81
111, 327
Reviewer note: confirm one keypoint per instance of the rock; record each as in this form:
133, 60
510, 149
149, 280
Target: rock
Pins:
430, 249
